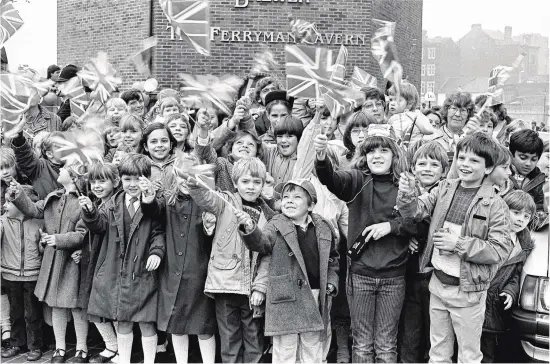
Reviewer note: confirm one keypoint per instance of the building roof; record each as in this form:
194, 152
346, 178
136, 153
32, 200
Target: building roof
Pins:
469, 84
495, 34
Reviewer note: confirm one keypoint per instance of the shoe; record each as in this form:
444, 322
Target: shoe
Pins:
103, 359
34, 355
57, 357
6, 335
11, 351
81, 356
162, 347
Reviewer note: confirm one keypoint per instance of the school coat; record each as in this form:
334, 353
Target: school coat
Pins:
290, 306
183, 272
122, 289
59, 275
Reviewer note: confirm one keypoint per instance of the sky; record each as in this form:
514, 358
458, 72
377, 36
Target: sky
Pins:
35, 43
454, 18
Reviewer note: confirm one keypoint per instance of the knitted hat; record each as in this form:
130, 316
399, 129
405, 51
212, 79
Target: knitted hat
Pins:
302, 182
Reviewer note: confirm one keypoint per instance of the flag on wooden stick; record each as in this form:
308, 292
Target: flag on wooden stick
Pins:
10, 21
101, 77
385, 52
361, 79
339, 67
17, 94
192, 18
84, 147
306, 70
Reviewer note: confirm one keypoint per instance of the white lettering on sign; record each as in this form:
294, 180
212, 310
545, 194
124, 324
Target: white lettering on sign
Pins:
244, 3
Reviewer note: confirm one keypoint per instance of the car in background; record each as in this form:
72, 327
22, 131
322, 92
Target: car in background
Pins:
531, 316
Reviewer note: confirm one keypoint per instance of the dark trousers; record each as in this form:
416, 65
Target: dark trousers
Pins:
241, 335
413, 342
25, 314
375, 305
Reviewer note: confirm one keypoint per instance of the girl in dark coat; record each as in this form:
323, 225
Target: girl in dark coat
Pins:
183, 308
104, 180
504, 290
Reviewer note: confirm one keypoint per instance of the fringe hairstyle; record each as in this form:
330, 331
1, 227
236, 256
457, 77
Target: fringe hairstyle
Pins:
399, 160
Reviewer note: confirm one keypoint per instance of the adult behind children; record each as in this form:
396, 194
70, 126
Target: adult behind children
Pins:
59, 276
376, 279
375, 104
526, 147
263, 87
134, 243
21, 248
503, 292
135, 101
296, 318
469, 234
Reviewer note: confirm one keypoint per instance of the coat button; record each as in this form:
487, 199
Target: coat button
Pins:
177, 273
182, 234
185, 217
180, 253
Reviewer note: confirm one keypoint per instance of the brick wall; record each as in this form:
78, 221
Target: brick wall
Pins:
117, 26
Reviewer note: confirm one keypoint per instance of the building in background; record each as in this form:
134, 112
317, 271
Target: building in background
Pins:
239, 30
440, 61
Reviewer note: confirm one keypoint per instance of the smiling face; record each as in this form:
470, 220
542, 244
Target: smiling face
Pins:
179, 130
158, 145
130, 185
519, 220
131, 137
294, 204
114, 113
113, 138
287, 144
278, 112
136, 107
375, 108
471, 168
249, 187
169, 110
500, 174
428, 171
7, 173
102, 188
379, 160
524, 162
244, 147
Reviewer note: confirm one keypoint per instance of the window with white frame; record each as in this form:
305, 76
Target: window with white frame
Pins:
430, 86
422, 88
431, 69
431, 53
423, 70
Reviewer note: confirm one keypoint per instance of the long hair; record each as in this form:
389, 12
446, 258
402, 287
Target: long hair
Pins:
149, 130
399, 160
360, 119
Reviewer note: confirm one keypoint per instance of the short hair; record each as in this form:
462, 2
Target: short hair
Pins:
253, 165
150, 129
68, 122
48, 142
432, 111
526, 141
399, 161
131, 122
521, 201
51, 70
169, 101
226, 150
435, 151
183, 116
481, 145
167, 92
358, 119
99, 171
116, 102
408, 92
262, 83
289, 125
503, 156
270, 106
292, 187
135, 165
374, 93
488, 115
458, 99
7, 158
131, 94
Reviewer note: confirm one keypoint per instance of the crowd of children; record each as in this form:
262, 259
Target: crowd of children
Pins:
270, 229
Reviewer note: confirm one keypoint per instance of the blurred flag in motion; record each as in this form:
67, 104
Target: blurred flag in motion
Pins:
385, 52
101, 77
10, 21
361, 79
142, 58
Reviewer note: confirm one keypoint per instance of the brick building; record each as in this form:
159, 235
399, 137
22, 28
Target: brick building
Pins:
118, 26
440, 61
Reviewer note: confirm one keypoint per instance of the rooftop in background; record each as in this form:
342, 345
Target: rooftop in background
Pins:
474, 85
501, 38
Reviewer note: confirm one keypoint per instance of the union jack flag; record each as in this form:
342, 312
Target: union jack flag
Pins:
17, 94
192, 19
79, 100
303, 31
341, 99
361, 79
10, 21
101, 77
142, 58
82, 147
339, 68
217, 92
384, 51
307, 69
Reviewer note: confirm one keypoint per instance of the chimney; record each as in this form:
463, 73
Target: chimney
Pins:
507, 32
476, 26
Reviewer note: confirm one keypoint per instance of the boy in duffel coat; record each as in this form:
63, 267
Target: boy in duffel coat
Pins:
303, 270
